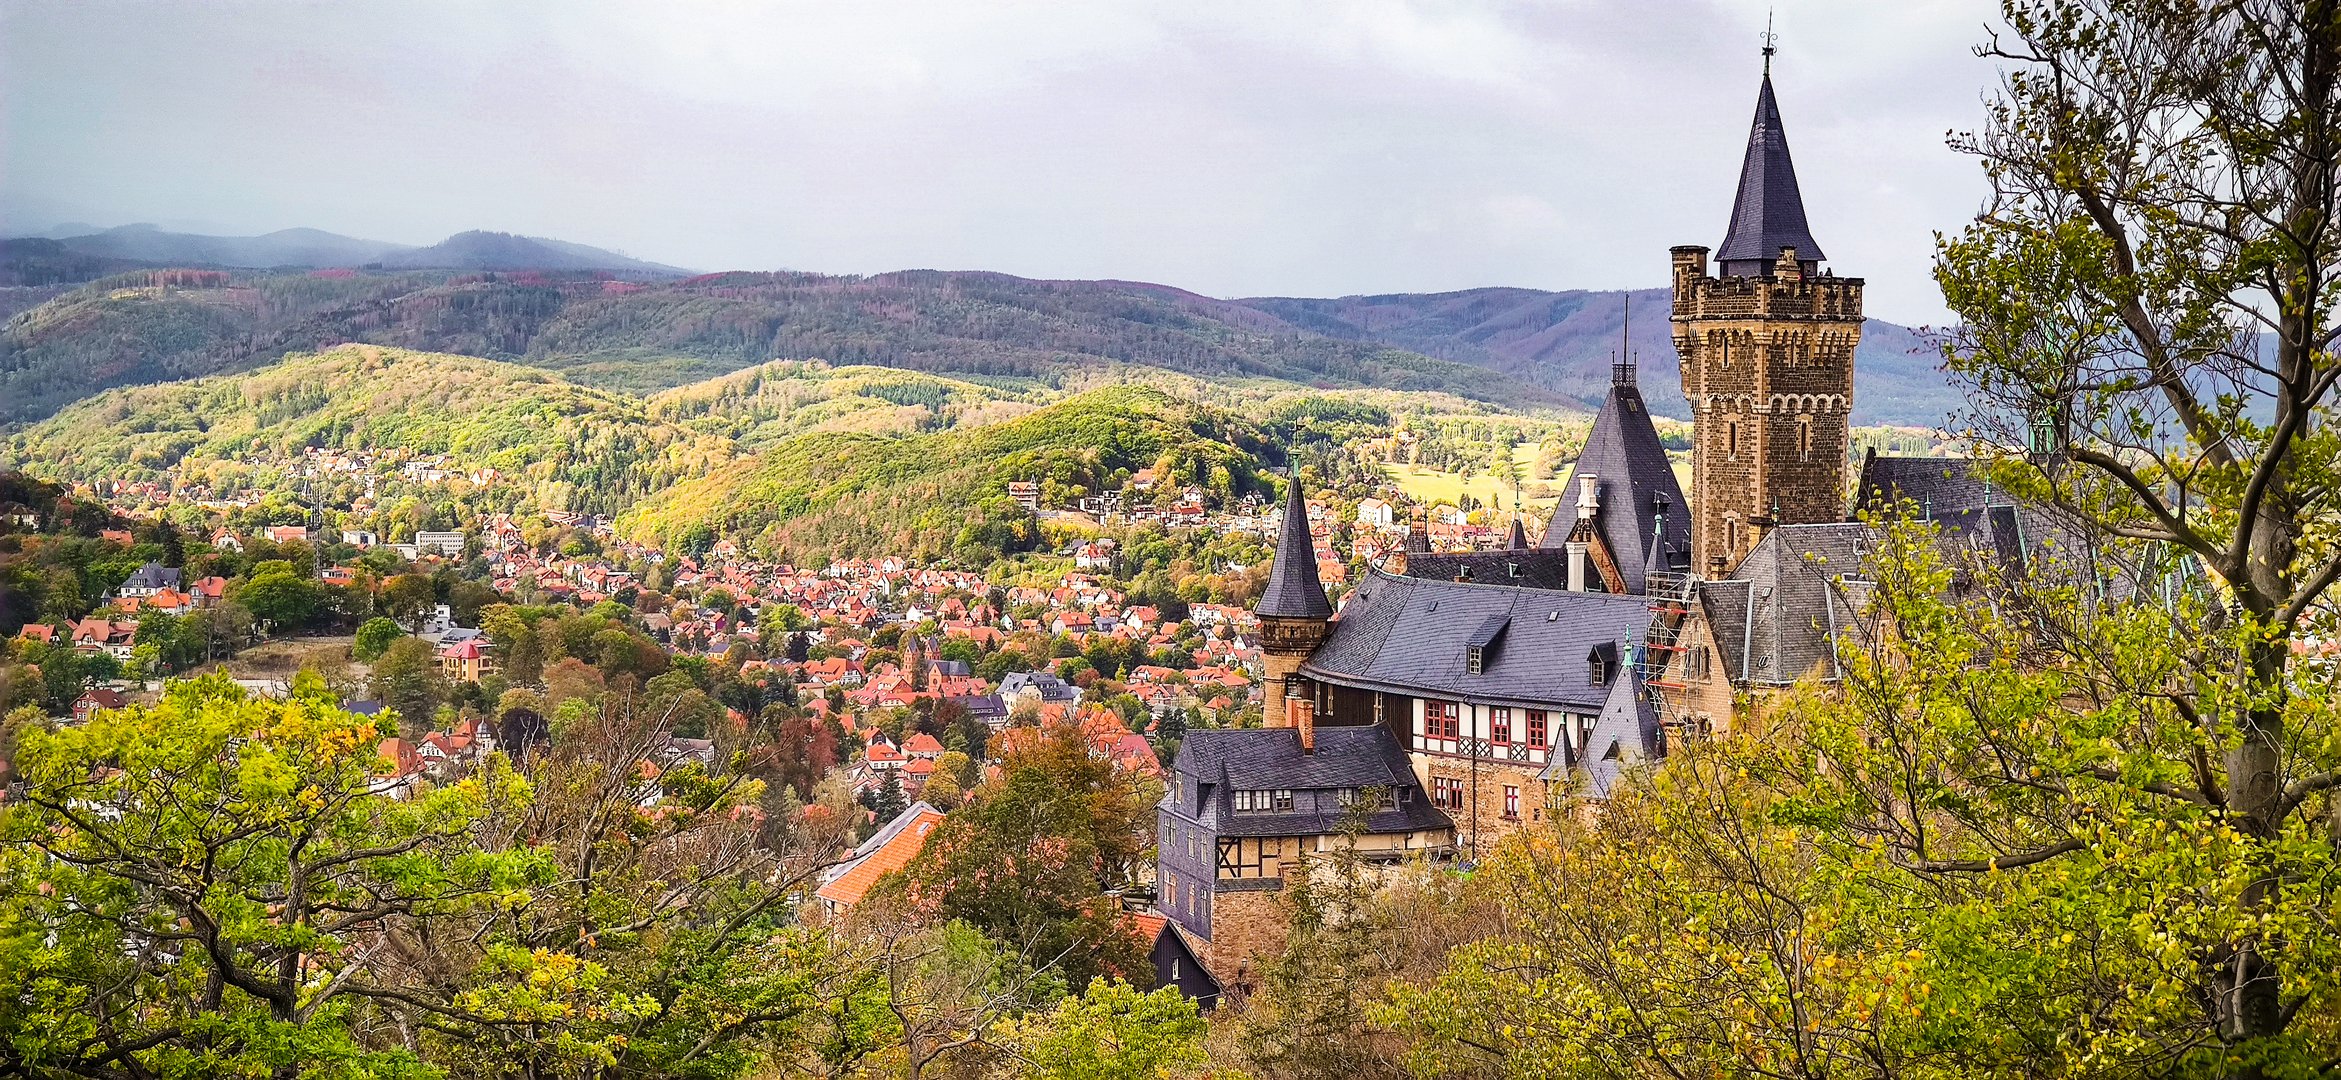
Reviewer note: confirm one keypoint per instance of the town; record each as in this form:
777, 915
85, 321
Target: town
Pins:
509, 658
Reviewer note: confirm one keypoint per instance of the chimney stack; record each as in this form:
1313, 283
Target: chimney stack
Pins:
1588, 495
1576, 550
1302, 714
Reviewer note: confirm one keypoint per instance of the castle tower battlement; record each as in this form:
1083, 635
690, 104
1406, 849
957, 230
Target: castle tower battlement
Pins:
1766, 343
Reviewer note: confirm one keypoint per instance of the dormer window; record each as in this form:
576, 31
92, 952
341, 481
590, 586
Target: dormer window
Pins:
1601, 664
1479, 650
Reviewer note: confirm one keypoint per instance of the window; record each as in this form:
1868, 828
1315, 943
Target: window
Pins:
1500, 726
1243, 802
1512, 569
1695, 662
1284, 799
1731, 440
1804, 437
1446, 793
1170, 891
1443, 719
1536, 728
1511, 803
1474, 659
1174, 969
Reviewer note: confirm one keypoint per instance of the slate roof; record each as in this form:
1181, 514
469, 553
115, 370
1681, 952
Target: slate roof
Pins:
1778, 613
1625, 732
1769, 212
1624, 453
153, 577
1257, 759
1409, 635
1929, 483
1293, 591
1538, 567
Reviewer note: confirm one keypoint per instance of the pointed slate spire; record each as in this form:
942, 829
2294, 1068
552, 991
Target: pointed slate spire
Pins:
1519, 541
1293, 590
1769, 212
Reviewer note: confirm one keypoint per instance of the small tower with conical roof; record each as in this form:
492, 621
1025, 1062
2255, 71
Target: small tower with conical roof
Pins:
1767, 360
1294, 614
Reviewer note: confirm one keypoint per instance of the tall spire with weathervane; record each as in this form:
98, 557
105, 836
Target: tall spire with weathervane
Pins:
1294, 614
1767, 359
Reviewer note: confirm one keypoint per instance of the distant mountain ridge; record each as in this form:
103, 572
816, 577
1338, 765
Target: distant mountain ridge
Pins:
614, 321
315, 248
481, 250
1567, 342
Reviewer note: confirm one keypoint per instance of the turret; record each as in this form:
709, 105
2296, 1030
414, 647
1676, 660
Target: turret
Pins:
1294, 614
1767, 360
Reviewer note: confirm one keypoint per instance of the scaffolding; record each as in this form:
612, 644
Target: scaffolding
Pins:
1660, 662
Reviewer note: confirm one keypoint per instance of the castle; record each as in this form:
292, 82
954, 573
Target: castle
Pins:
1469, 693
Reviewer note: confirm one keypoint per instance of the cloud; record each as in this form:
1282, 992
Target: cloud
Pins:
1233, 148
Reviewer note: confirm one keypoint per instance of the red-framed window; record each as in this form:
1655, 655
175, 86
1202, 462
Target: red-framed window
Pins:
1500, 726
1537, 729
1442, 719
1511, 802
1446, 793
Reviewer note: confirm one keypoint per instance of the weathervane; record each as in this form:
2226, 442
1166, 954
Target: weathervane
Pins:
1771, 43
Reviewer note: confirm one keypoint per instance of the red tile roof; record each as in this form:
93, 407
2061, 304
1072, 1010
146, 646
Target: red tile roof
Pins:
893, 855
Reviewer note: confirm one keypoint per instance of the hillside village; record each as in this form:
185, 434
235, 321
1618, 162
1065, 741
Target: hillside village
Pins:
510, 659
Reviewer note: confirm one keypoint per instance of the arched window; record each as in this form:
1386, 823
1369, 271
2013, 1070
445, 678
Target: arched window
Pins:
1804, 437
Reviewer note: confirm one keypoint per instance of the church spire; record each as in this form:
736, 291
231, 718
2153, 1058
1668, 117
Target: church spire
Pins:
1769, 212
1293, 590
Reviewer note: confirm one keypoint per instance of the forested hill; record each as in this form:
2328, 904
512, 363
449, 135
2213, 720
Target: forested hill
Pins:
1566, 341
154, 325
945, 495
550, 442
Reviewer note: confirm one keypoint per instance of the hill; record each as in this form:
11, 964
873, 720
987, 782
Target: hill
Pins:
769, 402
944, 495
480, 250
553, 443
1566, 341
285, 247
645, 336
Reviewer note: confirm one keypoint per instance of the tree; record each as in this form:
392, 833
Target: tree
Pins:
407, 681
2148, 305
280, 598
374, 639
1110, 1031
1030, 856
409, 597
572, 680
205, 922
889, 802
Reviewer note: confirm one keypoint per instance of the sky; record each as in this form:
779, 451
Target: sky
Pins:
1244, 148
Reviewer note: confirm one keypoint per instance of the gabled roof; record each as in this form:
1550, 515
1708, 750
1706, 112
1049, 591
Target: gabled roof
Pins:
1781, 611
891, 849
1411, 635
1266, 759
1624, 454
1626, 731
1769, 212
1293, 591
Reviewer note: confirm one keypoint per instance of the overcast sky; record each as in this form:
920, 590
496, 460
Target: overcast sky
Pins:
1237, 149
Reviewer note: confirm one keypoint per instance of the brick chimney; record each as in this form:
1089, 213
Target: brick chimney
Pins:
1301, 715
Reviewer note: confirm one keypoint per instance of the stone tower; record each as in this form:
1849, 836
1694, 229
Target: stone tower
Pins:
1767, 361
1294, 614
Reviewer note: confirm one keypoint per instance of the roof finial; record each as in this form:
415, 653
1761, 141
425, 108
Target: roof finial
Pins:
1771, 43
1621, 368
